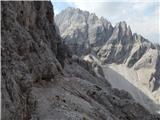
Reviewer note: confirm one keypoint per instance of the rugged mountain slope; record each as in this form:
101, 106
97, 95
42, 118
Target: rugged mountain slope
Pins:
135, 52
40, 81
118, 46
114, 45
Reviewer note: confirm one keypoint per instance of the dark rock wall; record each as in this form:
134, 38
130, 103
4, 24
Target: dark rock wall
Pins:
29, 48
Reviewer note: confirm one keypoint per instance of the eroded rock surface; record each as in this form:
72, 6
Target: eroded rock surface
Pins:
40, 80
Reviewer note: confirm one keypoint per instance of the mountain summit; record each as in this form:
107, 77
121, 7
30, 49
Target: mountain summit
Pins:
84, 32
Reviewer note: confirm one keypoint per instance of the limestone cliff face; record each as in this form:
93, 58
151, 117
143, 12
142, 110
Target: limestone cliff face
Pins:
40, 80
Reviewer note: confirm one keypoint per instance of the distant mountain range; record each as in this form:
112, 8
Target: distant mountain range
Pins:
86, 34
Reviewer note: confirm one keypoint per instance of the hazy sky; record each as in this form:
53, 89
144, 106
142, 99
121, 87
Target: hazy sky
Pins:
142, 15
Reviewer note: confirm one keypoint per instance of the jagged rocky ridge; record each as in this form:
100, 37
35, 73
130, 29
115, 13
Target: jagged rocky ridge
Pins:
92, 35
42, 81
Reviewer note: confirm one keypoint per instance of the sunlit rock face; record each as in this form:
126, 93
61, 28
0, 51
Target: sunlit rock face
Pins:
41, 80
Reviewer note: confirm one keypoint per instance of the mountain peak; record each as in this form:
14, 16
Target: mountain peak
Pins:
122, 26
84, 29
71, 9
123, 23
129, 32
138, 38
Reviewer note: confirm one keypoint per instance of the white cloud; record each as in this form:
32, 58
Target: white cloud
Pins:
147, 24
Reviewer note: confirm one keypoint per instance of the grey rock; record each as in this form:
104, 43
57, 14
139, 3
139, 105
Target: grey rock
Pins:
87, 35
119, 45
29, 43
40, 80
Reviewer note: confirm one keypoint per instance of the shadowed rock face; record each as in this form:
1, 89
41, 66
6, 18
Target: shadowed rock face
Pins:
40, 81
29, 49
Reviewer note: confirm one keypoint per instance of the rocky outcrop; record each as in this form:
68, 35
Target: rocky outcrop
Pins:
118, 46
40, 79
29, 50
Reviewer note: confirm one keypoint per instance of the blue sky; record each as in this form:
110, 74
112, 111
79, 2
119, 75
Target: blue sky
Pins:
142, 15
